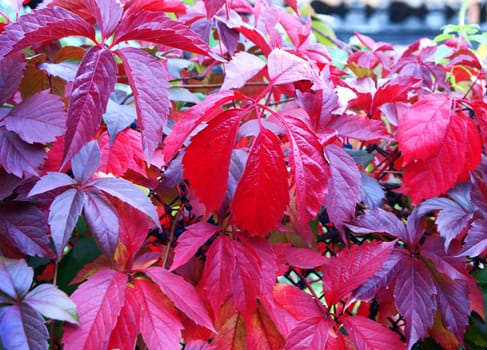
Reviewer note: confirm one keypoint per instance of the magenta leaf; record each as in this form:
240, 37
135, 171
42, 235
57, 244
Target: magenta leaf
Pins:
343, 187
92, 87
414, 296
156, 27
41, 26
128, 193
102, 218
379, 221
21, 327
16, 277
190, 241
124, 334
305, 258
99, 301
151, 97
50, 182
11, 73
107, 14
240, 69
284, 67
17, 157
476, 239
212, 7
367, 334
359, 127
300, 337
159, 324
86, 162
52, 303
182, 294
63, 215
25, 226
40, 118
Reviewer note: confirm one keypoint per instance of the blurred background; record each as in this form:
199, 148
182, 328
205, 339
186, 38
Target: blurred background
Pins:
397, 22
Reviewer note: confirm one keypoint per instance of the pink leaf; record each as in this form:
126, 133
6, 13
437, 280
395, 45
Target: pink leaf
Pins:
124, 334
207, 158
159, 324
52, 303
265, 170
63, 215
414, 297
11, 73
353, 267
92, 87
127, 192
343, 187
212, 7
190, 241
284, 67
182, 294
301, 338
99, 301
151, 97
86, 162
50, 182
240, 69
40, 118
102, 219
156, 27
359, 127
17, 157
262, 333
370, 335
107, 14
304, 258
41, 26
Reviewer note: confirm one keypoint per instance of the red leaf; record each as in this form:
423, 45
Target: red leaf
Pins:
439, 146
52, 303
265, 170
99, 302
159, 324
353, 267
370, 335
151, 97
124, 334
414, 297
310, 171
304, 258
40, 118
343, 187
262, 333
107, 14
207, 158
297, 303
86, 162
284, 67
218, 272
231, 334
92, 87
115, 158
182, 294
301, 338
17, 157
156, 27
11, 73
102, 220
41, 26
240, 69
63, 215
190, 241
134, 226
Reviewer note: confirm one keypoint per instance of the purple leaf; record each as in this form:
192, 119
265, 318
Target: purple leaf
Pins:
86, 161
65, 70
118, 117
11, 73
476, 239
240, 69
343, 187
156, 27
128, 193
63, 215
17, 157
284, 67
8, 184
107, 14
212, 7
359, 127
21, 327
92, 87
379, 221
371, 192
414, 295
50, 182
16, 277
151, 97
102, 219
52, 303
448, 262
43, 25
25, 226
228, 36
40, 118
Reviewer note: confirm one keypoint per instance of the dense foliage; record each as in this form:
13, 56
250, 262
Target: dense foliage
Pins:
226, 175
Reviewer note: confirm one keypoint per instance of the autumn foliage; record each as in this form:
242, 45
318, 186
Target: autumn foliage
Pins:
224, 175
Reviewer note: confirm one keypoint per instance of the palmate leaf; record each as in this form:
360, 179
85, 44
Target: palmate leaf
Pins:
207, 159
92, 87
151, 95
284, 67
301, 338
265, 170
11, 73
367, 334
240, 69
107, 14
86, 162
